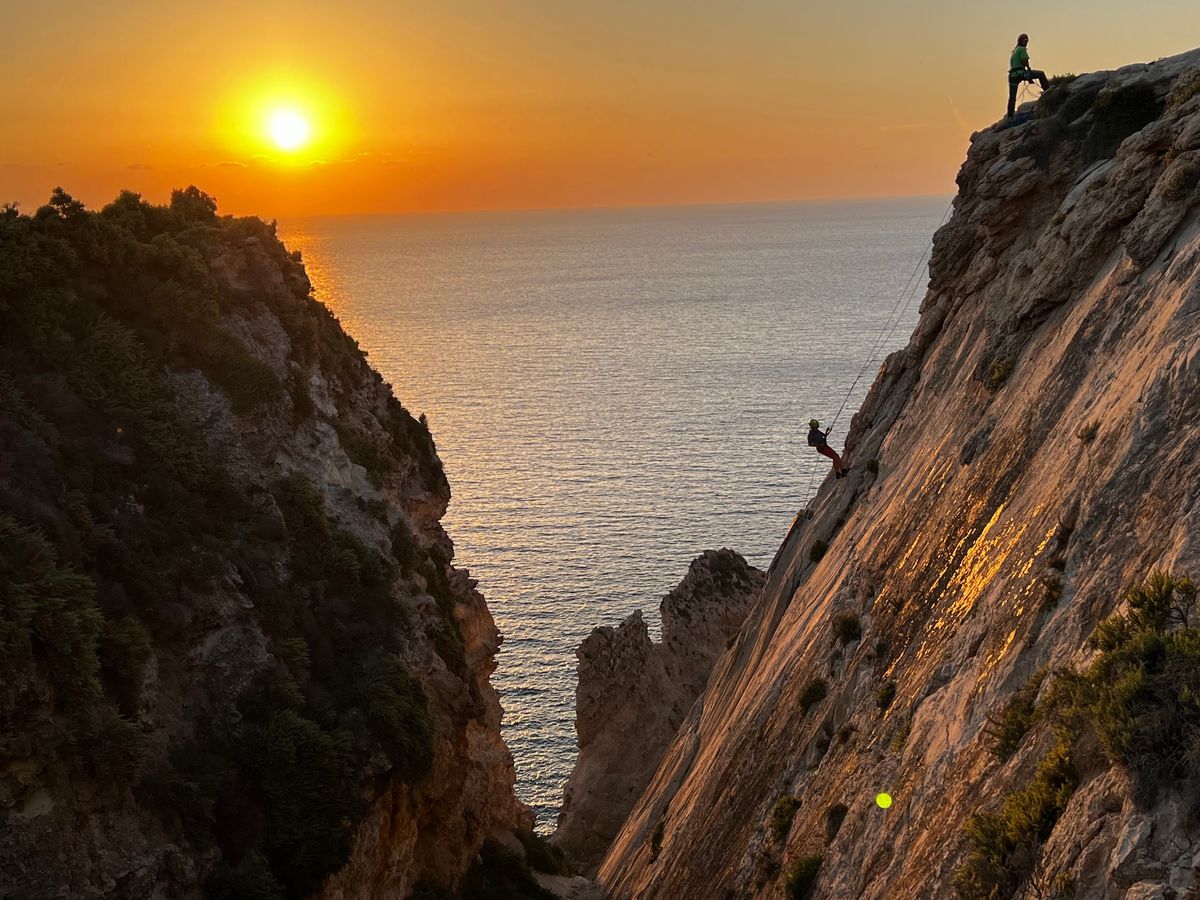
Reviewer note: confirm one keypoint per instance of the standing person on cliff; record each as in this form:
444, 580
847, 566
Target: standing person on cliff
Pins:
818, 438
1019, 71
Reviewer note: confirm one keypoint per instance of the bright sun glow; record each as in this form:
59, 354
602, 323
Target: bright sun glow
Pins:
288, 129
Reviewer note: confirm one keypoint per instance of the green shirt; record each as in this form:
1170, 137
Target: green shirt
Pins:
1019, 60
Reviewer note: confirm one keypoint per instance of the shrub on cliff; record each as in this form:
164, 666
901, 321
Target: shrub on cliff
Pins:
812, 693
1140, 697
309, 781
1117, 114
847, 628
1005, 845
887, 693
1185, 88
49, 628
802, 877
782, 816
542, 855
1009, 727
501, 874
398, 712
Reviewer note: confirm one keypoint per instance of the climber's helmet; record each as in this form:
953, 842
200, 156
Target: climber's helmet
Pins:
813, 423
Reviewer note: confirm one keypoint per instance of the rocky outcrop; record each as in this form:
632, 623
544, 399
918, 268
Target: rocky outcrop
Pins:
1029, 459
633, 693
237, 660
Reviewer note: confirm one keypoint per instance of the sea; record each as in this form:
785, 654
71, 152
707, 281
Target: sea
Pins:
613, 392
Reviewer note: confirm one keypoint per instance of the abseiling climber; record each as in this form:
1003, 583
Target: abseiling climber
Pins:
818, 438
1019, 71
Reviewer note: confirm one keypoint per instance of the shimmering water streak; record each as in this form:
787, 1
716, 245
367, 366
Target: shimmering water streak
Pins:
613, 392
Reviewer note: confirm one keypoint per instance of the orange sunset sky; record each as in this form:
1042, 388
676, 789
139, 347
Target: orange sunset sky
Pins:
465, 104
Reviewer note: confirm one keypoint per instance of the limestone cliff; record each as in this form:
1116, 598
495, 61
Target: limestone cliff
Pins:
236, 660
1022, 469
633, 693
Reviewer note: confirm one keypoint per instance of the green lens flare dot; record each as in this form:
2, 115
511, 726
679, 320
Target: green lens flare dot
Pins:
883, 801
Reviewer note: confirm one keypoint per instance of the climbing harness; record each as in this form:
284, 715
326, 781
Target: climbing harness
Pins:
890, 324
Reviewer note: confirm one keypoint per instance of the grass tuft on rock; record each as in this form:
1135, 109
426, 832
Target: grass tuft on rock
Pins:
802, 877
782, 816
887, 693
813, 692
847, 628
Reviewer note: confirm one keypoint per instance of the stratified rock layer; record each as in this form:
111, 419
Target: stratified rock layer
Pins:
633, 693
1037, 453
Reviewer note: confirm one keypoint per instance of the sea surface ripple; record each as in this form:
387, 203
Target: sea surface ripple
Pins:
613, 392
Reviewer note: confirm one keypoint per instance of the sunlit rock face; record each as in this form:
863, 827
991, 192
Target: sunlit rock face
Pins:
278, 683
633, 694
1029, 456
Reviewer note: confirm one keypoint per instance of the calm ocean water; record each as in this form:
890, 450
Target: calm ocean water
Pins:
613, 392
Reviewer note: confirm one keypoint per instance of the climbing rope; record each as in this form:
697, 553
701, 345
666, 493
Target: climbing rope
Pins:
891, 323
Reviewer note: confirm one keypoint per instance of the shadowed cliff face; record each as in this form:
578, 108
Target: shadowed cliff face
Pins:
1037, 455
633, 694
236, 658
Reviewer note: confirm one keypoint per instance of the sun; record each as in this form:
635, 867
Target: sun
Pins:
288, 129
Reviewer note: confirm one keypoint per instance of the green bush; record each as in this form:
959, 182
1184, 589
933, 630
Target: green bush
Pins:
225, 361
1140, 697
887, 693
405, 548
782, 816
501, 874
398, 712
49, 629
802, 877
542, 855
1087, 433
364, 451
997, 373
124, 651
1181, 182
817, 551
309, 782
1052, 590
1117, 114
847, 628
1185, 88
1016, 717
252, 879
1004, 846
812, 693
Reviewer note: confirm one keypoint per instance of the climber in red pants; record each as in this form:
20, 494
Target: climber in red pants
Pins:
817, 438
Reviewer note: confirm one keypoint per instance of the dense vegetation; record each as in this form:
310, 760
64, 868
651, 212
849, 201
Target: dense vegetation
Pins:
118, 528
1140, 699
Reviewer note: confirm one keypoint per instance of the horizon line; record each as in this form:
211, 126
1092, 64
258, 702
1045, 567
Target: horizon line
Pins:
615, 207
